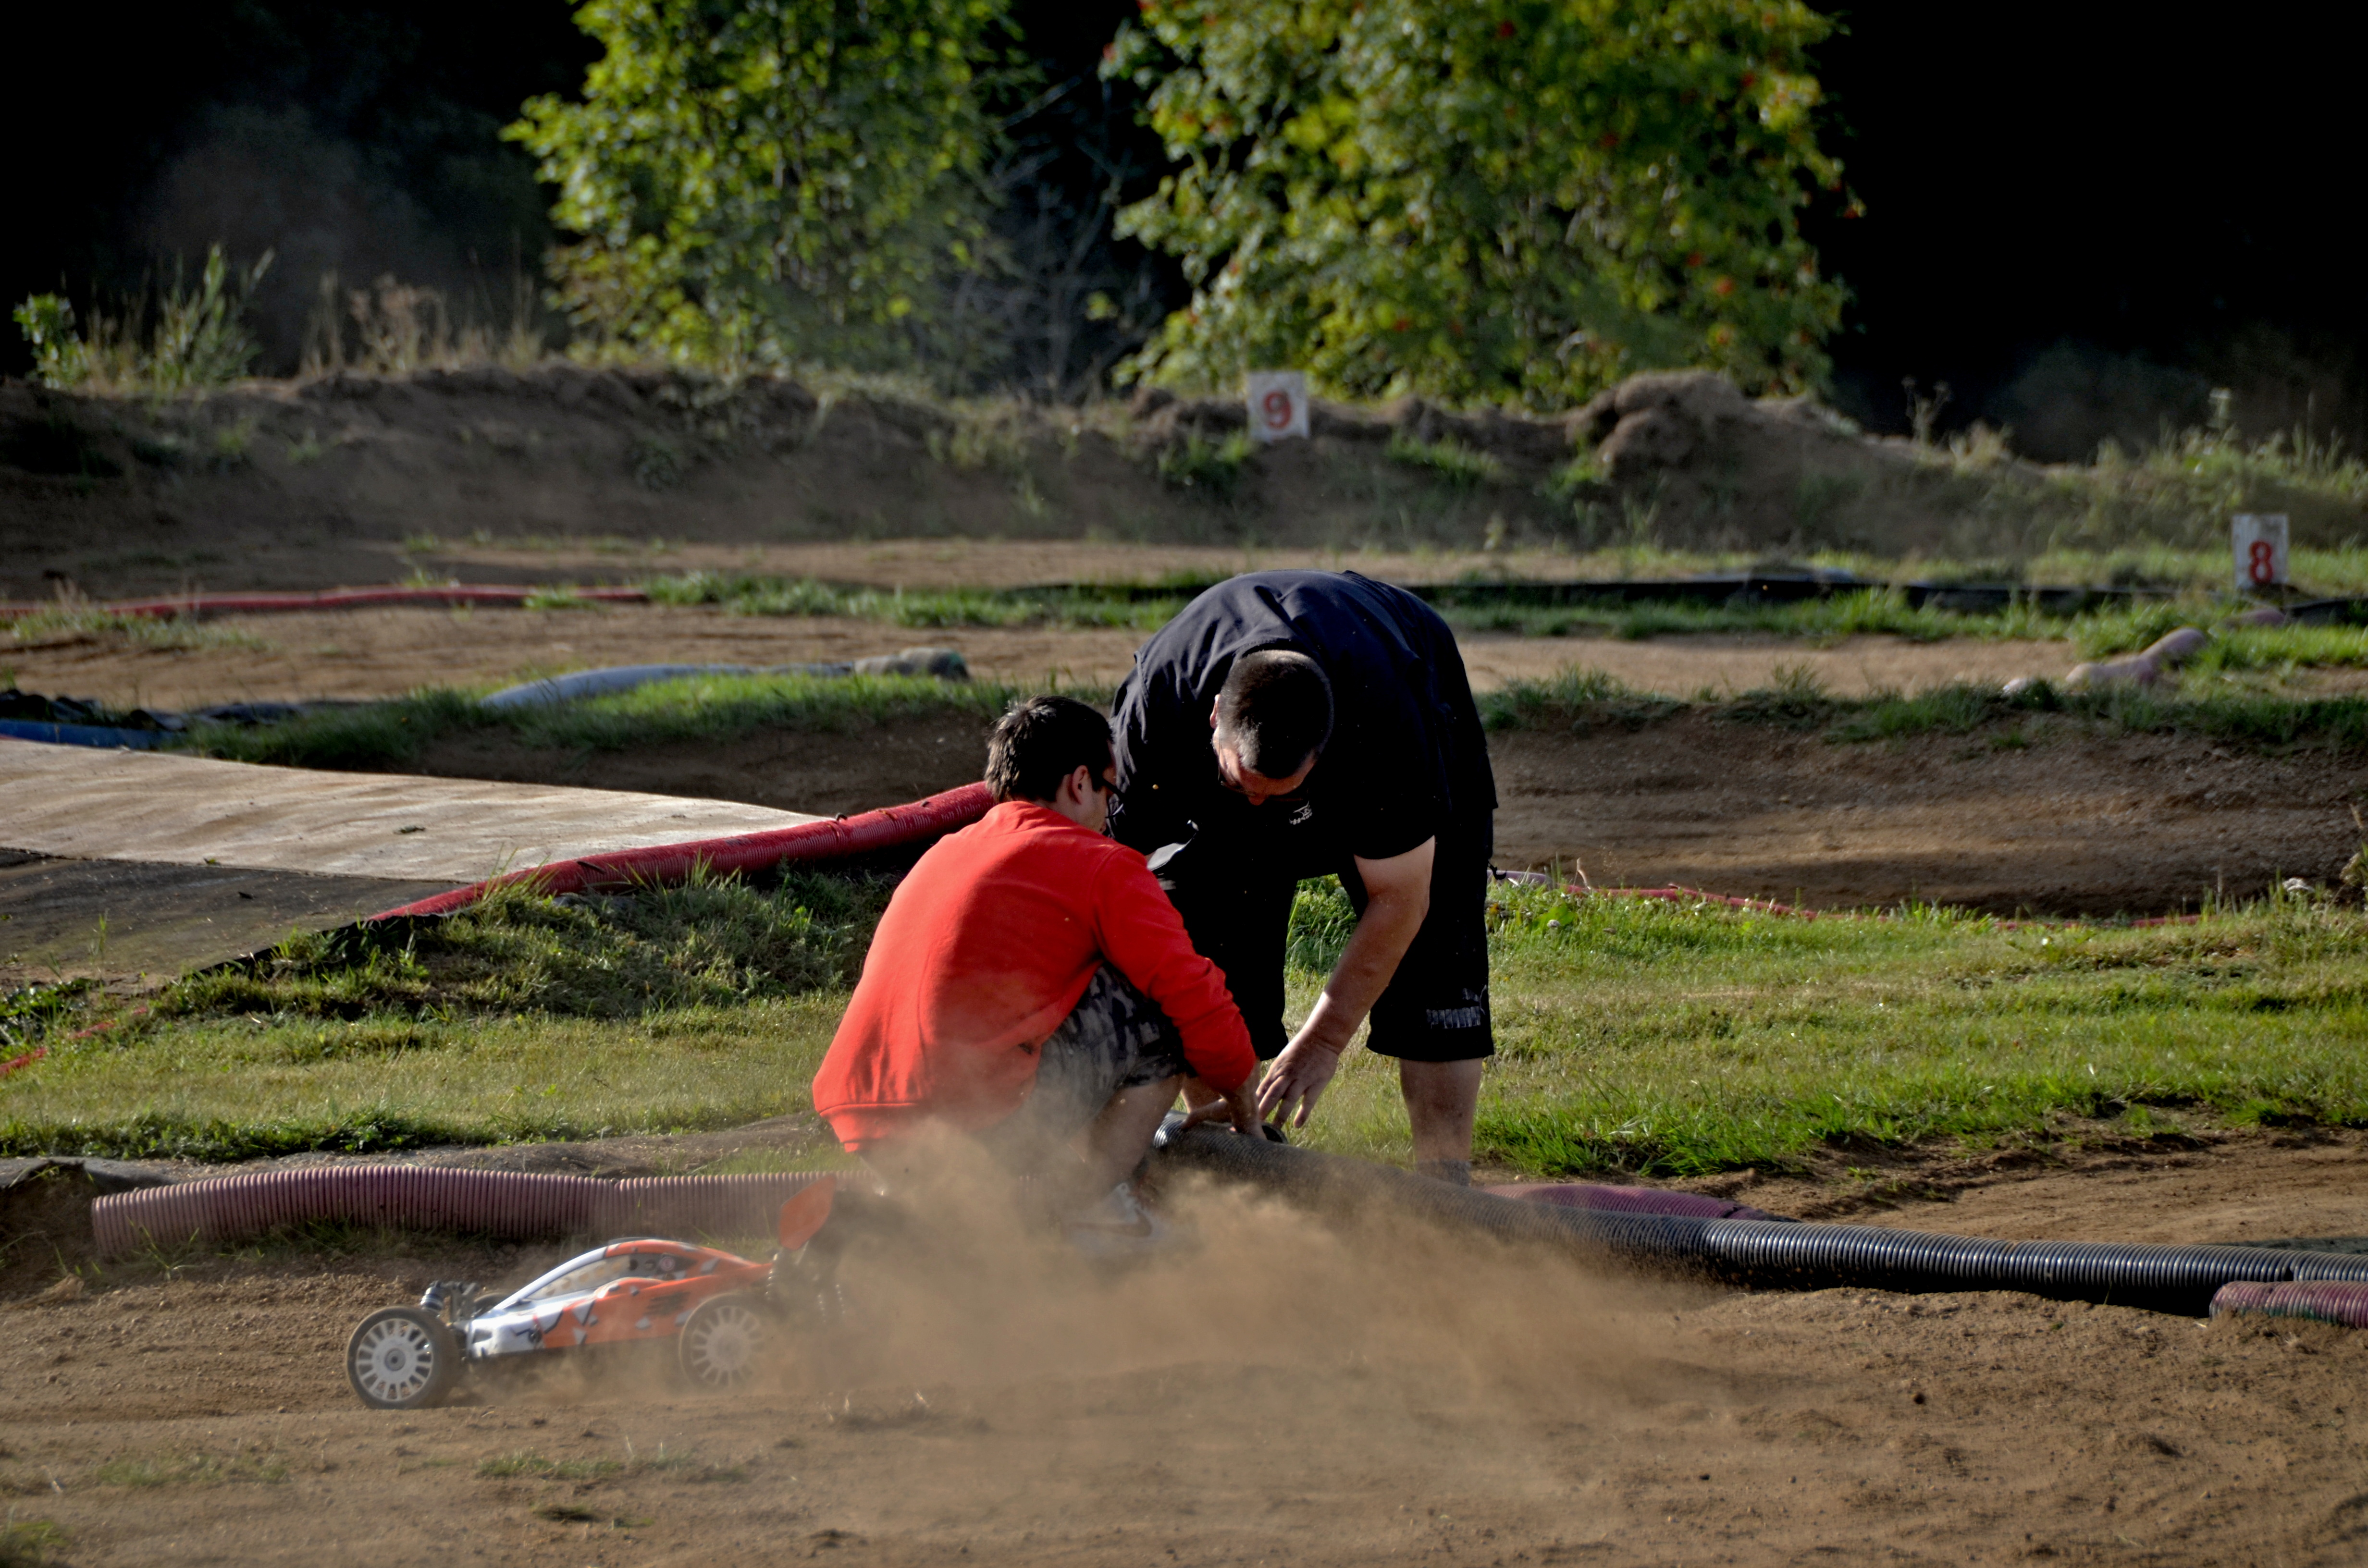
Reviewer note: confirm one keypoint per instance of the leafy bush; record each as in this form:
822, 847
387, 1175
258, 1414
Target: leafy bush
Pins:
1484, 203
769, 181
1213, 468
60, 357
198, 337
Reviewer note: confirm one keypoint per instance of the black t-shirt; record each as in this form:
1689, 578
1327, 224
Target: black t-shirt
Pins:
1407, 760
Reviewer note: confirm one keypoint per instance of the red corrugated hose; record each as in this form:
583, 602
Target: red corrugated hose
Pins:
508, 1205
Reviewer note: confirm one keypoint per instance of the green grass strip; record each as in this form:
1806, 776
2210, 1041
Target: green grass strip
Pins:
1473, 605
1642, 1037
935, 609
1582, 699
1634, 1035
698, 707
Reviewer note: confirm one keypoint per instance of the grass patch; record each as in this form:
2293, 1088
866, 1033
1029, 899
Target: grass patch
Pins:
1642, 1037
1869, 612
710, 942
1582, 699
522, 1464
1872, 612
1575, 699
61, 625
1451, 462
1212, 469
679, 1464
2183, 491
29, 1543
699, 707
190, 1470
1116, 605
1634, 1035
684, 1465
30, 1013
523, 1019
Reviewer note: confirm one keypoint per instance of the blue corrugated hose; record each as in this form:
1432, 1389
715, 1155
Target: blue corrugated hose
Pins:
80, 735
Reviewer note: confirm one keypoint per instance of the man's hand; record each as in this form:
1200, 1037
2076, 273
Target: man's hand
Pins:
1297, 1079
1397, 896
1239, 1104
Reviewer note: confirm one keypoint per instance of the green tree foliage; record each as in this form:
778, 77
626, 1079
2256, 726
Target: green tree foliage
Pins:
1484, 199
60, 357
766, 181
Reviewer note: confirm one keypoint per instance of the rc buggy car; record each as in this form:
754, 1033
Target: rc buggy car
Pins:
721, 1311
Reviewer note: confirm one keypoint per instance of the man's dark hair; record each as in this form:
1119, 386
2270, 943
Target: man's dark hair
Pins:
1041, 741
1275, 711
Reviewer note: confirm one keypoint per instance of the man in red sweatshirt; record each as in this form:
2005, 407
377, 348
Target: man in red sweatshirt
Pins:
1032, 986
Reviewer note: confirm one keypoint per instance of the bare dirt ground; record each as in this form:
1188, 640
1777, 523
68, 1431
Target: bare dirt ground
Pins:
385, 652
2069, 823
1287, 1395
2055, 818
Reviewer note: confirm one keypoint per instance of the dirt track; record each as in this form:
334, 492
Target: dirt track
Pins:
385, 652
1317, 1403
2072, 823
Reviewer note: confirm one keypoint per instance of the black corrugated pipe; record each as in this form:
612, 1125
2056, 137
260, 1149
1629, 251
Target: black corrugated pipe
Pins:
1766, 1253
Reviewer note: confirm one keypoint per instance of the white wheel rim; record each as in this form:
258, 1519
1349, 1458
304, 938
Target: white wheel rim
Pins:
394, 1360
724, 1346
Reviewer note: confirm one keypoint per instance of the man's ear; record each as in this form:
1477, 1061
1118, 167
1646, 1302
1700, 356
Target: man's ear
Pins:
1212, 715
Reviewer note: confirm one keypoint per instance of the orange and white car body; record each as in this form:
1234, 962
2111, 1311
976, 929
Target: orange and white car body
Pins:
629, 1291
625, 1292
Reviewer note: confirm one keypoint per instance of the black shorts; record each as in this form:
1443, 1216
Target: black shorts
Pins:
1236, 900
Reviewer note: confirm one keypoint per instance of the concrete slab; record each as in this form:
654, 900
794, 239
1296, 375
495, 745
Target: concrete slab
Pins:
182, 811
138, 924
137, 867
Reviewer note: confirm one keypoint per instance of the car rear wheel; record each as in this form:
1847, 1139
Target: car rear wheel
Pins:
402, 1358
723, 1340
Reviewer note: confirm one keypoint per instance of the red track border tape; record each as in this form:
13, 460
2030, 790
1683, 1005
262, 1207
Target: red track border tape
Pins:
884, 829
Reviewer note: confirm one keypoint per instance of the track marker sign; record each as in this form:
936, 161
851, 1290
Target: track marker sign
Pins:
1278, 405
2259, 540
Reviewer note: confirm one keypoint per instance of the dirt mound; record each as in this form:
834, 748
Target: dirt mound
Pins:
319, 480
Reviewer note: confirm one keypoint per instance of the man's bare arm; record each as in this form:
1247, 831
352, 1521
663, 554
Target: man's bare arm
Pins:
1397, 896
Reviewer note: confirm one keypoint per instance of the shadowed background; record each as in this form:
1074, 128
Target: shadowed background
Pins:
2081, 219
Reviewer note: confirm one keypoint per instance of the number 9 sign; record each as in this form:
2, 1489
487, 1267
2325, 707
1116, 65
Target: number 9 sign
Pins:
2260, 548
1277, 405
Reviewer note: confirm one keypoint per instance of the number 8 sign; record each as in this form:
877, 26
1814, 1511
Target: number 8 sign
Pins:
2261, 547
1278, 405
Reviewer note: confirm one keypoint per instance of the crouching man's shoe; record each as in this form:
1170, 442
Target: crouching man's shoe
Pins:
1120, 1226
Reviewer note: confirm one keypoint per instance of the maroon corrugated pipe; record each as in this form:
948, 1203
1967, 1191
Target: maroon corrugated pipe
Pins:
510, 1205
884, 829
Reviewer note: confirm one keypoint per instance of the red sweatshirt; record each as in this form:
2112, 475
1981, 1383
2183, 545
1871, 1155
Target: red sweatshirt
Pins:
985, 948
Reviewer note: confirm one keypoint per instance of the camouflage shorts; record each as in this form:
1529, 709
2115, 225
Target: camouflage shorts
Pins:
1116, 1037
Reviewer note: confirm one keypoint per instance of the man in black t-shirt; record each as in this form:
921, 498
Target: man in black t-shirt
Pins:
1288, 725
